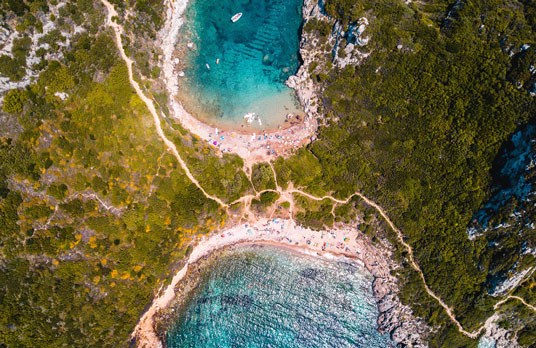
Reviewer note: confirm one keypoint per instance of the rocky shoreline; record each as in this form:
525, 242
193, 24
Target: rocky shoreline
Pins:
306, 91
395, 318
314, 53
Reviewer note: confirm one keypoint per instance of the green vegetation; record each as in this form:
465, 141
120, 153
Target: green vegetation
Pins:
145, 18
220, 176
303, 170
95, 213
14, 101
315, 214
14, 66
262, 177
266, 200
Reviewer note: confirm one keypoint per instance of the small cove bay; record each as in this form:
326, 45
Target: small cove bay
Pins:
235, 69
266, 296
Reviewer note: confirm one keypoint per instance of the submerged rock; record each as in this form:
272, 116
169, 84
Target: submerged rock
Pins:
237, 300
309, 273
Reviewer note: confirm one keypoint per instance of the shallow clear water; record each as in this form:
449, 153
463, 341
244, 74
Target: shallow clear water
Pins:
256, 56
486, 342
271, 297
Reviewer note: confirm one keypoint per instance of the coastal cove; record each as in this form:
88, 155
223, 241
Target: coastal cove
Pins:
253, 145
168, 295
265, 295
331, 246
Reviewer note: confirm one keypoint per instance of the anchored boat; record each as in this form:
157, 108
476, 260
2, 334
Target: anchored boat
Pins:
236, 17
250, 117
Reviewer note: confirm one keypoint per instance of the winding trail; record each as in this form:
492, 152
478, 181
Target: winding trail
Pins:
513, 297
118, 30
285, 194
528, 305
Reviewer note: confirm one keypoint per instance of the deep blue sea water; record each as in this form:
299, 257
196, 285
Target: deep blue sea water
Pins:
256, 56
270, 297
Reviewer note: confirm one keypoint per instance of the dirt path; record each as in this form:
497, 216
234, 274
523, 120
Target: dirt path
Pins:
118, 30
413, 263
286, 194
513, 297
528, 305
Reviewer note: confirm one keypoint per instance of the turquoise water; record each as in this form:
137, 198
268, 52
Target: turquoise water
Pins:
271, 297
486, 342
256, 56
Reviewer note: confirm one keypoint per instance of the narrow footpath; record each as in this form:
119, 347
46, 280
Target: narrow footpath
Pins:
288, 193
118, 30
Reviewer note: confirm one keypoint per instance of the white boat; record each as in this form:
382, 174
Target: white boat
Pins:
250, 117
236, 17
208, 66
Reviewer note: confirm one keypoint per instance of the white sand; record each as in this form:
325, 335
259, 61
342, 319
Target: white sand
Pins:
344, 241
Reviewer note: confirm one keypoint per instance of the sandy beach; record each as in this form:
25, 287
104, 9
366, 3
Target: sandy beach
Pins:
252, 146
340, 242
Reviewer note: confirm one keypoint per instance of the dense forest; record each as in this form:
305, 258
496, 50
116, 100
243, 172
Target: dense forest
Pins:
95, 214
